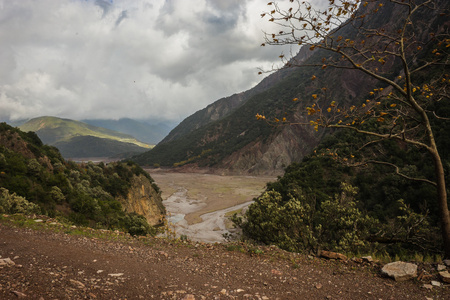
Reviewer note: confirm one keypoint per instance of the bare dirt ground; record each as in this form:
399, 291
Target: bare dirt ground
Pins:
198, 202
53, 265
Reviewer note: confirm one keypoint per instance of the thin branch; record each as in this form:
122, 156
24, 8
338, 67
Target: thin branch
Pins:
397, 171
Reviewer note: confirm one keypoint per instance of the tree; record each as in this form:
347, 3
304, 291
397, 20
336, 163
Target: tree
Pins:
354, 35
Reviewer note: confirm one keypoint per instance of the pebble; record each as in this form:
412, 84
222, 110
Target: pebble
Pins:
435, 283
441, 267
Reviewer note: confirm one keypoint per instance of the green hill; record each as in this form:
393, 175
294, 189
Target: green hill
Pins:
78, 139
35, 178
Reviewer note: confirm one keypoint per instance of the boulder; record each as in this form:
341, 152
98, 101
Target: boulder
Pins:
400, 271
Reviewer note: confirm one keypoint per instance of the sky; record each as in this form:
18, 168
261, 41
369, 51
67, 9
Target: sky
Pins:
142, 59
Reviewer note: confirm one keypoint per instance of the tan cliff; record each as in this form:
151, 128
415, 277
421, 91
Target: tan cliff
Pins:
144, 200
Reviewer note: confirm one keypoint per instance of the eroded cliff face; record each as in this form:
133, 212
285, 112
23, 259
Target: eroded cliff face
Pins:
273, 156
144, 200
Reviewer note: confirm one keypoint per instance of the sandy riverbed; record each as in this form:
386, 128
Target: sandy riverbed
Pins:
197, 203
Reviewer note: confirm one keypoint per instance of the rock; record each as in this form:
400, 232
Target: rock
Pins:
116, 275
367, 259
435, 283
39, 221
189, 297
445, 276
428, 286
223, 291
19, 294
400, 271
318, 286
240, 291
276, 272
6, 262
333, 255
440, 268
447, 262
77, 284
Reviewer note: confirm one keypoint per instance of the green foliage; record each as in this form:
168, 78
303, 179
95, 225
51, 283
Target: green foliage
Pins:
137, 225
296, 225
11, 204
374, 211
84, 193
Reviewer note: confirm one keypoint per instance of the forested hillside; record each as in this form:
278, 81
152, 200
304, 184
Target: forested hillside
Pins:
34, 178
378, 182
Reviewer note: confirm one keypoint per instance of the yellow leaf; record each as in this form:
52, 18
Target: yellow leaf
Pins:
329, 109
314, 96
295, 99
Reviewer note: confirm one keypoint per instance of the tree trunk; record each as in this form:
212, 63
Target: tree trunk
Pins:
442, 202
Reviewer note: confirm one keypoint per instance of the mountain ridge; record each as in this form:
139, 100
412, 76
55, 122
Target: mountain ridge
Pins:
79, 139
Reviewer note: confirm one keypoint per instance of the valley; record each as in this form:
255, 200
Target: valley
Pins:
197, 203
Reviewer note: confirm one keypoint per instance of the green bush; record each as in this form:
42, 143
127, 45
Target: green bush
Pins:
137, 225
11, 204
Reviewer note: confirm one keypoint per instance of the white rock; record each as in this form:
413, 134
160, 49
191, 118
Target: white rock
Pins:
400, 271
6, 262
116, 275
367, 258
441, 267
435, 283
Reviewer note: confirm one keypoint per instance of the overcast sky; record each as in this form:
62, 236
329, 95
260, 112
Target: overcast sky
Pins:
141, 59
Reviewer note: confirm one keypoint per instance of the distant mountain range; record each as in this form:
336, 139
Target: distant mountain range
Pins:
150, 133
77, 139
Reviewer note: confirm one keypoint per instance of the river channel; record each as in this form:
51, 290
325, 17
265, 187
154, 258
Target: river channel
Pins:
197, 204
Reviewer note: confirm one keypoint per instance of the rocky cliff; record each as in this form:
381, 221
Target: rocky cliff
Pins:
144, 199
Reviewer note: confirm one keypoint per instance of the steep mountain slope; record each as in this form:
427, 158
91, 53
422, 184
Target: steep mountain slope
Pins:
226, 135
143, 131
225, 106
78, 139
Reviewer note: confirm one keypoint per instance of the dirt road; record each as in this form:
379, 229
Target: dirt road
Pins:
48, 265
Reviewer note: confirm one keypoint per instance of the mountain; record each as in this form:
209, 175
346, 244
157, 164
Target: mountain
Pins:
225, 106
77, 139
150, 133
226, 134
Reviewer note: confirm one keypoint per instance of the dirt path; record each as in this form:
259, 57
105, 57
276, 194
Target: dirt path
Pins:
51, 265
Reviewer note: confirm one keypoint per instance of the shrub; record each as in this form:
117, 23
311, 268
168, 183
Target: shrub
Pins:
11, 204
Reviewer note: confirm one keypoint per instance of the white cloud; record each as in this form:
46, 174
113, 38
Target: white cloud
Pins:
137, 59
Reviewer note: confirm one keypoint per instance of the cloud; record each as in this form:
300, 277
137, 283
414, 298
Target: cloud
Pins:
137, 59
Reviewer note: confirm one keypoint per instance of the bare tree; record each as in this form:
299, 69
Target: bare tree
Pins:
355, 35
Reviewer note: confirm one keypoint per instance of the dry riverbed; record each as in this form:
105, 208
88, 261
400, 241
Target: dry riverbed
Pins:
197, 203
